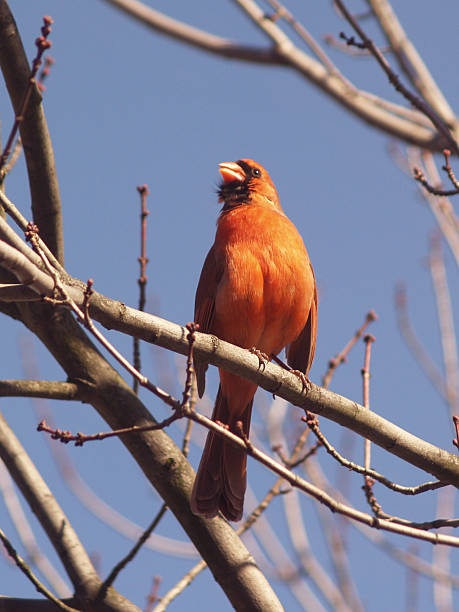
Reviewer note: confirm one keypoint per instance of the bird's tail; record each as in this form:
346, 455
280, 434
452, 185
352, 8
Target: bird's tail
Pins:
222, 475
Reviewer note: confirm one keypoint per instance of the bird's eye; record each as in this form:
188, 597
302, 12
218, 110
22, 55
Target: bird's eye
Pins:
256, 172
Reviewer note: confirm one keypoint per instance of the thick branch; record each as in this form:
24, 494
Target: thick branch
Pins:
440, 463
161, 460
195, 37
116, 315
410, 61
64, 539
367, 107
34, 134
13, 604
49, 389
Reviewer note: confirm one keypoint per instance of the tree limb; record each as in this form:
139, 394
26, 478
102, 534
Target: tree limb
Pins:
57, 526
38, 150
411, 62
116, 315
371, 109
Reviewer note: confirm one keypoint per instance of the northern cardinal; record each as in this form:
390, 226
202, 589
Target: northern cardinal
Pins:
256, 290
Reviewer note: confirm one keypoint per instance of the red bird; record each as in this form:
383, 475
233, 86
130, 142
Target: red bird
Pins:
256, 290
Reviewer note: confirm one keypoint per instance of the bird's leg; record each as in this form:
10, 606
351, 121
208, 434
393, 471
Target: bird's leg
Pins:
301, 375
263, 358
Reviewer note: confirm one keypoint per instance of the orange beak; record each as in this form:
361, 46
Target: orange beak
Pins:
231, 171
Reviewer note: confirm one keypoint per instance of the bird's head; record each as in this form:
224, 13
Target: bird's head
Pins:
246, 182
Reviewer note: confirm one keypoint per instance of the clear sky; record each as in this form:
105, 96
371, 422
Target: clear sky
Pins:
125, 107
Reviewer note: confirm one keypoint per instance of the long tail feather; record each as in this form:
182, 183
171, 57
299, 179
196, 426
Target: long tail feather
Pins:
221, 479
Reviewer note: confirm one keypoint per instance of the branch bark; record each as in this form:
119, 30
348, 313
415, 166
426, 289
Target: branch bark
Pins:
57, 526
385, 116
38, 150
116, 315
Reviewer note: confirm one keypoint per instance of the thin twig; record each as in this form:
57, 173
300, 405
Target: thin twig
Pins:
442, 209
342, 355
84, 319
368, 339
438, 191
441, 555
312, 422
446, 321
420, 354
273, 492
316, 475
34, 553
449, 171
23, 224
80, 438
42, 45
31, 576
409, 59
49, 61
329, 39
143, 278
153, 596
283, 13
130, 556
415, 100
239, 361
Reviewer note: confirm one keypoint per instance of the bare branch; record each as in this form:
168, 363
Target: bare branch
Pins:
441, 557
42, 45
35, 556
422, 106
21, 221
313, 424
417, 532
316, 475
132, 553
446, 322
420, 354
160, 459
43, 388
142, 280
441, 208
195, 37
31, 576
34, 135
410, 61
342, 355
70, 550
385, 116
441, 464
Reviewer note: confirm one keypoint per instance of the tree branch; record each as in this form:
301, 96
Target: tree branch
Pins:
35, 138
387, 117
116, 315
31, 576
411, 62
49, 389
195, 37
57, 526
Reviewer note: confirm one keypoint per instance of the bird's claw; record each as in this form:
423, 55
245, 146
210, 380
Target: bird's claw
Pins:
304, 380
263, 358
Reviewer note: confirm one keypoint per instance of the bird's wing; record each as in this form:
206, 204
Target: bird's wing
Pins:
300, 352
204, 308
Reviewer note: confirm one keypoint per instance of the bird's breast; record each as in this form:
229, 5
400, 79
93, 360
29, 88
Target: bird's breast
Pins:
264, 294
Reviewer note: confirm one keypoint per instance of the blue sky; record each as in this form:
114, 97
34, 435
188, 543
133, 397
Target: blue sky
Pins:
125, 107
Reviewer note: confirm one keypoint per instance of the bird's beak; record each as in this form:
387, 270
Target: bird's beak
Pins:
231, 171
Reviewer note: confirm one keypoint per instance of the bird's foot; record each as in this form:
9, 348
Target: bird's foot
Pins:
301, 375
304, 380
263, 358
